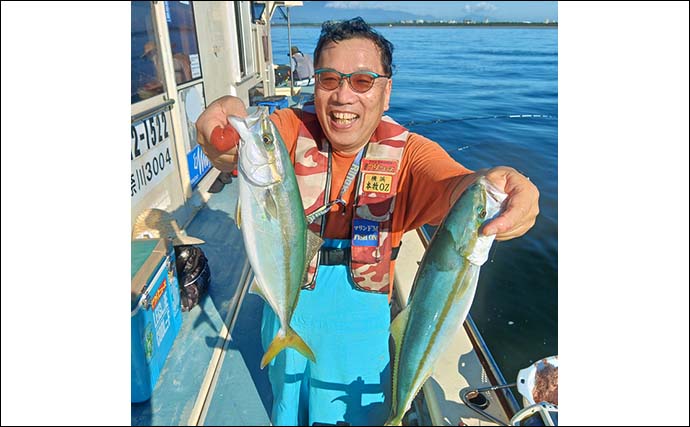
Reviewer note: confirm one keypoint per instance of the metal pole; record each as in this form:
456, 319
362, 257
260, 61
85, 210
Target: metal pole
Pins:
292, 81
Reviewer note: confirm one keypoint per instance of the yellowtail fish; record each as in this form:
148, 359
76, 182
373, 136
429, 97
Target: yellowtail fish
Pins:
274, 227
442, 292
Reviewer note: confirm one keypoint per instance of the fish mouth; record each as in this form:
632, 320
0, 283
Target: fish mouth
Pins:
342, 119
261, 175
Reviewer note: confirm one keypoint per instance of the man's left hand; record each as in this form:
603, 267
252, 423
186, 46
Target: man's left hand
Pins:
521, 206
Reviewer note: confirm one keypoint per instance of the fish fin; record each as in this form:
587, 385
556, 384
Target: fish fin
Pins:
393, 421
398, 326
290, 339
396, 415
314, 243
238, 215
397, 331
270, 204
256, 290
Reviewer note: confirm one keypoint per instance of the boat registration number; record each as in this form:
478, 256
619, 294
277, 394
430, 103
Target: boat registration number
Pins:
151, 157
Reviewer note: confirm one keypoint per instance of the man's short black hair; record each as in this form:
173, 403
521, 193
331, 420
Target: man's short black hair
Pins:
336, 31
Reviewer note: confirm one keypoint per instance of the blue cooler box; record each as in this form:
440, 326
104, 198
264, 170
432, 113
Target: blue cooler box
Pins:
156, 312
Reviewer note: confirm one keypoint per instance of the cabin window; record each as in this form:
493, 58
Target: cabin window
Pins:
147, 74
244, 40
257, 11
183, 40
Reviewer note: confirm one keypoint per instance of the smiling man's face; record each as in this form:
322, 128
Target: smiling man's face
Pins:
349, 118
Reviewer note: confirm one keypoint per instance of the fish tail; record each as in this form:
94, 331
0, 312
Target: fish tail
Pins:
281, 342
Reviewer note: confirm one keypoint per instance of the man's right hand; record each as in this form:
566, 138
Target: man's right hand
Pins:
216, 136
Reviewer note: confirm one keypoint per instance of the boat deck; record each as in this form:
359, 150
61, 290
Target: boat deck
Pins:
298, 95
212, 377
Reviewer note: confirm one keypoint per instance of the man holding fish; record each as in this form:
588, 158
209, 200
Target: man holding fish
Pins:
363, 180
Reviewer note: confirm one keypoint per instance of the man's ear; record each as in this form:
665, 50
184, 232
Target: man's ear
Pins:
387, 93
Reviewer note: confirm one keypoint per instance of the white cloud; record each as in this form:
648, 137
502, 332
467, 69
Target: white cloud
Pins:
478, 7
349, 5
439, 9
363, 5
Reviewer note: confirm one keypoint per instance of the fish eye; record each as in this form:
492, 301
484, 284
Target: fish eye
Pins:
482, 213
267, 139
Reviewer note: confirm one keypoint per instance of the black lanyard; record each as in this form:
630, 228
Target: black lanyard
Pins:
351, 174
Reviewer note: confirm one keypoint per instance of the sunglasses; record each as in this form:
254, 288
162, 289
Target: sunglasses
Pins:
360, 81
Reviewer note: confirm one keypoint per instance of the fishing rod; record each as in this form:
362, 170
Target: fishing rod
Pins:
462, 119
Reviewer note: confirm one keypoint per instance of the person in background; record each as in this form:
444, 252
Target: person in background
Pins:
343, 312
301, 67
181, 64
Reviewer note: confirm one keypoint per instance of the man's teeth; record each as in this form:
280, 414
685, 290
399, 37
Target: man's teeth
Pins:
344, 118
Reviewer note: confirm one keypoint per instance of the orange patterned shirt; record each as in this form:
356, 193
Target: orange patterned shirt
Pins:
427, 180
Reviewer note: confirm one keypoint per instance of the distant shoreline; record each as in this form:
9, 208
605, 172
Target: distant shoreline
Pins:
440, 24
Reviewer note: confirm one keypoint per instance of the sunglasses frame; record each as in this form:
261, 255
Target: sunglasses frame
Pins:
347, 77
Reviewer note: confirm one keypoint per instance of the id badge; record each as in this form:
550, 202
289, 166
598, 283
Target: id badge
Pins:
365, 232
379, 177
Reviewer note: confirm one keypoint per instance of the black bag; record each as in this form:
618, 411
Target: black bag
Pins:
193, 274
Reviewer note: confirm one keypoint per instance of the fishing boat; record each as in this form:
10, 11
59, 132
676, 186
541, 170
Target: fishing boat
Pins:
210, 374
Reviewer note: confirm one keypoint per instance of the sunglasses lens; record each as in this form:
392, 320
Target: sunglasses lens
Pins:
329, 80
361, 82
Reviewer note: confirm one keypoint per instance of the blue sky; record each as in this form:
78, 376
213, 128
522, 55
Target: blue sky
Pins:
495, 10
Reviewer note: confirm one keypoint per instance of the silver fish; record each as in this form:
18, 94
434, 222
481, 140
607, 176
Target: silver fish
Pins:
274, 227
442, 293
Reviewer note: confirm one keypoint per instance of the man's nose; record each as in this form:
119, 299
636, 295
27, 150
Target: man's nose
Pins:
344, 93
